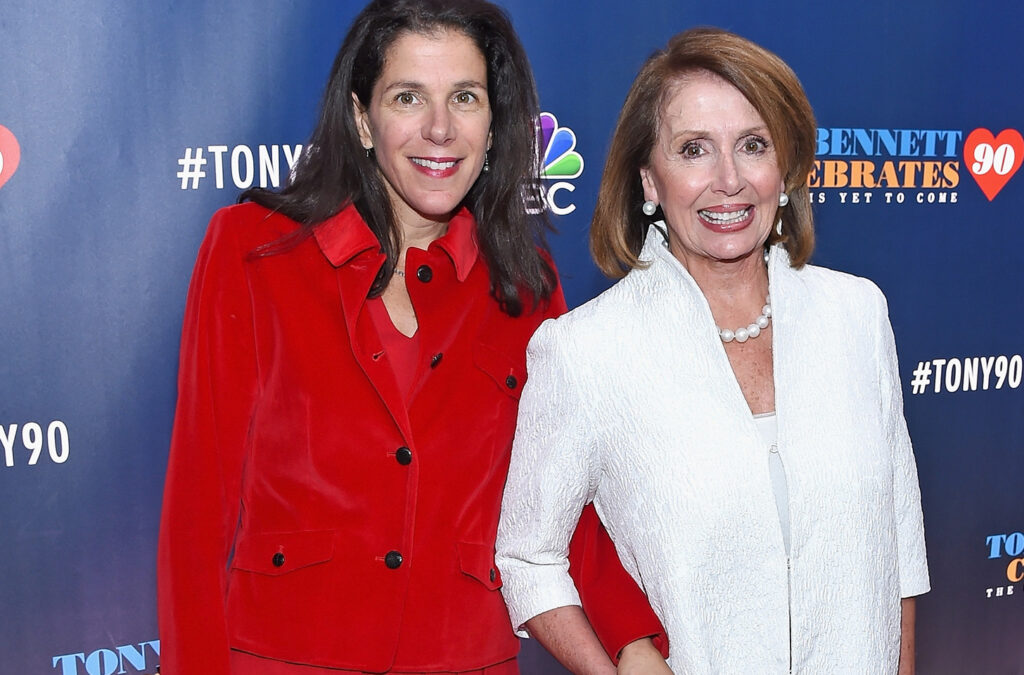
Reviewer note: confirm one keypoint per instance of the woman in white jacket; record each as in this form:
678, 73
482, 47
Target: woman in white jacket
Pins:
734, 413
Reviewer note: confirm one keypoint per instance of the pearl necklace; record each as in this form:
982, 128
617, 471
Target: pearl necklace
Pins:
751, 331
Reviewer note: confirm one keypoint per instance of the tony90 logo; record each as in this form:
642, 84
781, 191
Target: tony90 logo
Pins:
1007, 546
25, 443
137, 659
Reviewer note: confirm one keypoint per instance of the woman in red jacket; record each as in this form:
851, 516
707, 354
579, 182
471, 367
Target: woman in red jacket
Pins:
351, 362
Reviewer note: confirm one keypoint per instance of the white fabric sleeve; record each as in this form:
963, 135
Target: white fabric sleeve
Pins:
913, 564
553, 474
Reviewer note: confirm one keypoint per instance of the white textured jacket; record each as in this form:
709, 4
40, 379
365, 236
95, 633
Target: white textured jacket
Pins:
631, 402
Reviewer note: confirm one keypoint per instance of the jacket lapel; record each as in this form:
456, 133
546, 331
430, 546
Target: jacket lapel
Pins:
355, 253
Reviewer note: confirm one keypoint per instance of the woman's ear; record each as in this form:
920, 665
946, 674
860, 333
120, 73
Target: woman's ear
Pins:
362, 118
650, 189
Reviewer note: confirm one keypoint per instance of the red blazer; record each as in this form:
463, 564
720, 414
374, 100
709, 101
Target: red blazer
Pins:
311, 515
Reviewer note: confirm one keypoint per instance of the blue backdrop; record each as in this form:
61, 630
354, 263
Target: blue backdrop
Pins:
124, 125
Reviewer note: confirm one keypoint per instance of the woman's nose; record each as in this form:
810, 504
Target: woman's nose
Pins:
439, 127
727, 176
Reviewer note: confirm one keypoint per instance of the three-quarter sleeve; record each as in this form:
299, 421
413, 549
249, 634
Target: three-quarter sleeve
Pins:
913, 565
553, 473
618, 610
217, 384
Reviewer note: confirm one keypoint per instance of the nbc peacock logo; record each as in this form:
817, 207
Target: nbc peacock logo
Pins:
559, 162
558, 145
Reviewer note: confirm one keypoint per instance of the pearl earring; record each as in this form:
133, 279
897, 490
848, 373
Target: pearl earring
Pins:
649, 208
487, 163
783, 199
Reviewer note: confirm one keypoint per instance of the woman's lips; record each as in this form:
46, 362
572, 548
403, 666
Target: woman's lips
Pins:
726, 218
436, 167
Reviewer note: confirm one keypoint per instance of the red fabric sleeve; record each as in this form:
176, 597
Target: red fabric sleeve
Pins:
613, 602
217, 384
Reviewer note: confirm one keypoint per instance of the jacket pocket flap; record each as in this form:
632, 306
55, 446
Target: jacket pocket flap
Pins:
508, 373
276, 553
477, 560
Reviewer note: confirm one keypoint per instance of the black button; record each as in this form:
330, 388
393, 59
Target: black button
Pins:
404, 456
436, 359
511, 381
493, 574
393, 560
278, 559
424, 273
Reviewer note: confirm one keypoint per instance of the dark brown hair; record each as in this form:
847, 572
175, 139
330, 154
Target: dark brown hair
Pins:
335, 171
619, 226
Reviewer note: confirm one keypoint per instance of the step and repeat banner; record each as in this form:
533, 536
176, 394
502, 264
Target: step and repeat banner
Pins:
124, 125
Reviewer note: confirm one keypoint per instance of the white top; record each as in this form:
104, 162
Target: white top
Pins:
768, 430
631, 402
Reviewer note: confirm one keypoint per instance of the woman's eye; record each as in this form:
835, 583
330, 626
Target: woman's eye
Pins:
691, 150
464, 97
755, 145
406, 98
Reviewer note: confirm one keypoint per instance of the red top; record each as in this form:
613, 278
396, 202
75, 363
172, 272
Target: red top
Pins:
401, 351
312, 514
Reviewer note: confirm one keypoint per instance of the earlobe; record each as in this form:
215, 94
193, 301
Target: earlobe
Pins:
362, 122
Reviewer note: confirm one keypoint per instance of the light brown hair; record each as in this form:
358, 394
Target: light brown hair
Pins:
619, 226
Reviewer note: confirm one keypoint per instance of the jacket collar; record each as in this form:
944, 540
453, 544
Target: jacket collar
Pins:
678, 307
655, 250
345, 235
669, 273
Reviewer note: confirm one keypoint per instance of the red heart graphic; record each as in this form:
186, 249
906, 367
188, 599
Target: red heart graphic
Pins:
10, 154
993, 160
